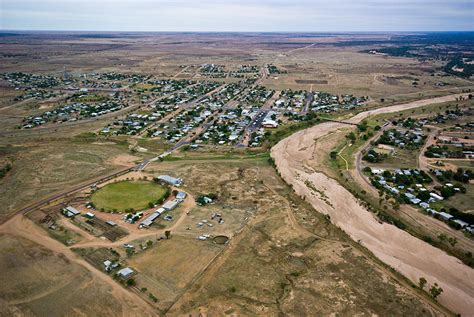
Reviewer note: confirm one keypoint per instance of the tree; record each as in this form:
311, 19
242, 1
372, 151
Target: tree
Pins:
362, 126
435, 290
167, 234
351, 136
452, 241
422, 282
333, 155
131, 282
396, 205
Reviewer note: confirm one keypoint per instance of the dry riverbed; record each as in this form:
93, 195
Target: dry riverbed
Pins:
410, 256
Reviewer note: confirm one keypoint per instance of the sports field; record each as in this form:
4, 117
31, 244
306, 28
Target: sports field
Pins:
125, 195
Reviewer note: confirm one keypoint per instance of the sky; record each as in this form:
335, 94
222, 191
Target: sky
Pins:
238, 15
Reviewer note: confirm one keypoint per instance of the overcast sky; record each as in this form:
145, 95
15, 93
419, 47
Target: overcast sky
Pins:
238, 15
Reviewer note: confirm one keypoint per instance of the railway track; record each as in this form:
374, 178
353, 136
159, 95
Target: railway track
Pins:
46, 201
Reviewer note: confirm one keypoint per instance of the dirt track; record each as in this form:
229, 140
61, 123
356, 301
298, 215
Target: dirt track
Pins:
132, 305
187, 206
407, 254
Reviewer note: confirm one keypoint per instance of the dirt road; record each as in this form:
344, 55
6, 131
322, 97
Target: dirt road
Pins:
423, 162
188, 204
132, 305
405, 253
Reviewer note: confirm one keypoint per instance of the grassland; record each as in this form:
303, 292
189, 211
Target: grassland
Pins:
40, 170
165, 270
288, 260
38, 282
126, 195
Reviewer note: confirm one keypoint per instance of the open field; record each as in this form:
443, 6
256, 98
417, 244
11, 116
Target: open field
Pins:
40, 170
286, 256
127, 195
165, 271
39, 282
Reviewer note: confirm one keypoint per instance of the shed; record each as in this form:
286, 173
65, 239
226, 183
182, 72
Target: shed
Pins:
107, 264
436, 196
181, 195
71, 211
463, 224
445, 215
171, 204
125, 273
173, 181
424, 205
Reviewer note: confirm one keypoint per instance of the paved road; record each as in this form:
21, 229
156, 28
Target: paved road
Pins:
256, 122
307, 102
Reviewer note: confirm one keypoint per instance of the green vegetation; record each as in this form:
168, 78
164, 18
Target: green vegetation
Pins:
287, 130
131, 282
87, 98
386, 208
373, 156
128, 195
4, 170
435, 291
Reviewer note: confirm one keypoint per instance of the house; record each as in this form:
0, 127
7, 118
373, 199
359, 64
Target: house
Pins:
125, 273
377, 171
173, 181
71, 211
424, 205
410, 196
436, 196
90, 215
270, 124
111, 223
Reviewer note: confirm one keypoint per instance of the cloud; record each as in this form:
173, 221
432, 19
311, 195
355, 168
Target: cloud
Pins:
241, 15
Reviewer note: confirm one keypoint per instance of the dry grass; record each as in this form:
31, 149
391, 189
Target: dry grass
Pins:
38, 282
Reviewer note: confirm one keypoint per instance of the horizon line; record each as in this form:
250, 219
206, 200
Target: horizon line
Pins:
184, 31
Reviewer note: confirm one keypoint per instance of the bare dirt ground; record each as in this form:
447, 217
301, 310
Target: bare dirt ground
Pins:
406, 106
136, 233
425, 163
287, 259
410, 256
124, 160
